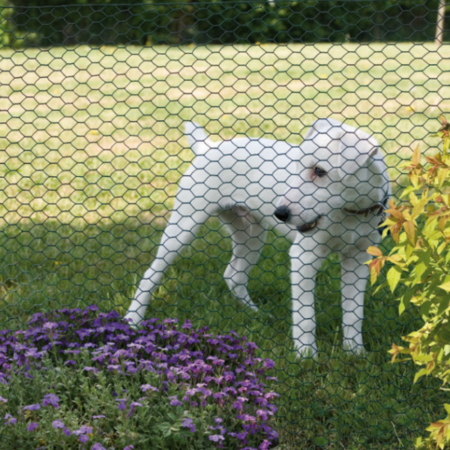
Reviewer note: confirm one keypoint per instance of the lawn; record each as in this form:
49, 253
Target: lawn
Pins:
92, 148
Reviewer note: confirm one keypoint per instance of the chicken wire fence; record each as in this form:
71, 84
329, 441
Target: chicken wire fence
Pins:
104, 108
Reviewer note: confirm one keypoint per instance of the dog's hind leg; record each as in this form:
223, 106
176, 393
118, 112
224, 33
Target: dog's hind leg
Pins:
180, 231
248, 238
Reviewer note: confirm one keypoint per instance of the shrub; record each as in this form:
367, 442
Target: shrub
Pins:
85, 380
63, 22
7, 36
421, 261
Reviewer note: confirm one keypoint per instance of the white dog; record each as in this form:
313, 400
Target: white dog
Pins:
326, 195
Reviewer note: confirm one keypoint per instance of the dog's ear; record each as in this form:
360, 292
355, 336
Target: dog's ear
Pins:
322, 126
357, 148
196, 137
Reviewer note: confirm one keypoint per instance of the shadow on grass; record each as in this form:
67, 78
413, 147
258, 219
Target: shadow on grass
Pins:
338, 402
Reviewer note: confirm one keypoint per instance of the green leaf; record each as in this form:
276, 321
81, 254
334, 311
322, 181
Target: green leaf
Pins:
405, 301
445, 286
442, 305
393, 277
443, 336
401, 307
420, 374
320, 441
421, 268
425, 308
407, 191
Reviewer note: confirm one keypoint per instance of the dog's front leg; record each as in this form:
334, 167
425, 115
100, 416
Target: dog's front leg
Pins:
354, 279
304, 268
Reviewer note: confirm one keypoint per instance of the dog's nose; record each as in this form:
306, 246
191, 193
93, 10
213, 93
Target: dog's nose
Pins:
282, 213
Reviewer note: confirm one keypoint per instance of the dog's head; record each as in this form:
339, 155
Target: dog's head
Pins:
337, 167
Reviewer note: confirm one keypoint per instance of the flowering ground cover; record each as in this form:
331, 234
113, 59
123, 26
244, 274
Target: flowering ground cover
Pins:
81, 379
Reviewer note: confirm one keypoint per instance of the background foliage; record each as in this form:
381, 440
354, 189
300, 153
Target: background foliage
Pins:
97, 22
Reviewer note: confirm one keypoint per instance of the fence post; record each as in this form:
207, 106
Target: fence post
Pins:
440, 23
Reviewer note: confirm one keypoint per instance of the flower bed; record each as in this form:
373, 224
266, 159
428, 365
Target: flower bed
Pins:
86, 380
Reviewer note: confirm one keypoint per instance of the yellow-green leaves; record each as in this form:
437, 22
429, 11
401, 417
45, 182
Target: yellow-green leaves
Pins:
374, 251
415, 168
393, 277
418, 205
420, 260
376, 264
445, 286
410, 229
440, 431
444, 133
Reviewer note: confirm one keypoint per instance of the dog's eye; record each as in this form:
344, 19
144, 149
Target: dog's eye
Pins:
319, 172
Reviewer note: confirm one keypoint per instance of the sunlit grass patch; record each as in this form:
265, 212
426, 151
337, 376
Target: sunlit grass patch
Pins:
96, 132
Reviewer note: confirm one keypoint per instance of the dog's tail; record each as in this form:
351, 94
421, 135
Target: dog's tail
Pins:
197, 139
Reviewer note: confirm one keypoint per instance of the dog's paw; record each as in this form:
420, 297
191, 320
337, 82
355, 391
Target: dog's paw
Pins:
248, 303
133, 318
355, 349
305, 351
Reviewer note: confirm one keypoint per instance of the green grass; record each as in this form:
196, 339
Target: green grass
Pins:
91, 150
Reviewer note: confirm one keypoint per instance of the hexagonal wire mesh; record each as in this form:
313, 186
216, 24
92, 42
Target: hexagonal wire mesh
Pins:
104, 173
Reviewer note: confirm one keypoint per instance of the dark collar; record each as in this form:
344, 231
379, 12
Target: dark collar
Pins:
378, 208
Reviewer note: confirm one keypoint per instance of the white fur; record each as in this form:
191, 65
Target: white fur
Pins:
244, 180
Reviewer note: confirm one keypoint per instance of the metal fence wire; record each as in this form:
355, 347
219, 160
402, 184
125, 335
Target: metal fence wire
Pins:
137, 138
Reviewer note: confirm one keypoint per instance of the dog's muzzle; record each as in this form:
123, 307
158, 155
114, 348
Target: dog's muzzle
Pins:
309, 226
282, 213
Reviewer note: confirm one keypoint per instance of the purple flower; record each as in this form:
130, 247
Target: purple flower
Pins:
98, 446
263, 414
50, 326
187, 423
82, 433
3, 400
122, 403
32, 426
216, 438
10, 420
51, 399
100, 416
133, 407
148, 387
242, 436
58, 424
247, 418
83, 430
268, 364
271, 395
174, 401
34, 407
128, 447
265, 445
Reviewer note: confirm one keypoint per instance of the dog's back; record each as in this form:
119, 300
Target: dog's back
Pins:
242, 171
